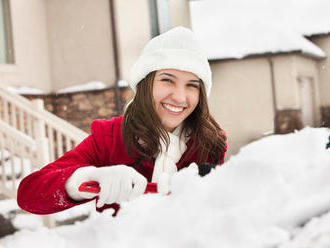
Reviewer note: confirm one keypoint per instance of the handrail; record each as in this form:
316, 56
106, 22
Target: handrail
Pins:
17, 135
28, 131
51, 119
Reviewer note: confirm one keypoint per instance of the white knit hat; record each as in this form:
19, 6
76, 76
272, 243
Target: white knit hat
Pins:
174, 49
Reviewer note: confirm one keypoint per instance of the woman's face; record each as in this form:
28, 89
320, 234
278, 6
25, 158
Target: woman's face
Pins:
176, 95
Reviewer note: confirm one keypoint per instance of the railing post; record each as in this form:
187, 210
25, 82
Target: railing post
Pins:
49, 221
39, 129
43, 155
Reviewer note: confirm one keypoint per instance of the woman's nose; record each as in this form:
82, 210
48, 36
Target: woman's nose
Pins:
179, 94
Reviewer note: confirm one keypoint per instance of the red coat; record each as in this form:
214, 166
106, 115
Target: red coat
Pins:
43, 192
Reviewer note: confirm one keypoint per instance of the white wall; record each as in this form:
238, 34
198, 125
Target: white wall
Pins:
288, 68
241, 100
30, 44
80, 42
324, 69
134, 31
179, 13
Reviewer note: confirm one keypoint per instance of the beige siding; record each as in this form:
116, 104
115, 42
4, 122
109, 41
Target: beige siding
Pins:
242, 95
134, 31
241, 100
80, 42
285, 82
179, 13
31, 66
307, 67
287, 69
324, 69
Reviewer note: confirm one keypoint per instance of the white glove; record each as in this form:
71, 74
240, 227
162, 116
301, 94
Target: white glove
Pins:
164, 180
118, 183
193, 168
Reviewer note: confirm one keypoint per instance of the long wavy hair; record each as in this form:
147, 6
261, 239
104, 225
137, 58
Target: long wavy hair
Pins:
142, 128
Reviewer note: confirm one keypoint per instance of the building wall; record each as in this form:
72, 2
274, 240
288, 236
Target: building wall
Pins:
287, 70
324, 72
285, 85
241, 100
307, 67
179, 13
324, 69
242, 96
80, 42
30, 42
133, 30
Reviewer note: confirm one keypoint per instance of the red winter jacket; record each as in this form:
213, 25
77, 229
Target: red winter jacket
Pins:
43, 192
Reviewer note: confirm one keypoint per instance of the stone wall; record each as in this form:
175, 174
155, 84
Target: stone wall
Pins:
287, 121
81, 108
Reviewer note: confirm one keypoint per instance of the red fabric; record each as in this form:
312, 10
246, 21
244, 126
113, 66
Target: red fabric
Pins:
43, 192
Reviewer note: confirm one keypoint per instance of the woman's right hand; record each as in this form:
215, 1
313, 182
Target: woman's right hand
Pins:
117, 183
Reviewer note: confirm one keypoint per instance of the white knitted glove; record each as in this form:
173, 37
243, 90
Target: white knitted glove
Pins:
193, 168
118, 183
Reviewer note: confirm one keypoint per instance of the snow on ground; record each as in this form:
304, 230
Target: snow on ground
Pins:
316, 234
10, 210
237, 28
272, 194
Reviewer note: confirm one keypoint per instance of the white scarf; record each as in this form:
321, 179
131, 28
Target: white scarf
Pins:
165, 164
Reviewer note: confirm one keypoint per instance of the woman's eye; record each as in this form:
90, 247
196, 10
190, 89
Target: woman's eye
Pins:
194, 86
166, 80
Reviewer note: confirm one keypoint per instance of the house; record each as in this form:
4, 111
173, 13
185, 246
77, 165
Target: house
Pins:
268, 85
270, 68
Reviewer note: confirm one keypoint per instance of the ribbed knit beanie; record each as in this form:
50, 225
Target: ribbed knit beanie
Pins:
174, 49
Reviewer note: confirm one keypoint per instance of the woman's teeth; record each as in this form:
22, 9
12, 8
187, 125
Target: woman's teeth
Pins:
172, 108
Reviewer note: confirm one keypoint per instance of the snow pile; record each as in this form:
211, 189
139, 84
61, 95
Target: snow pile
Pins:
316, 234
256, 199
123, 83
93, 85
22, 90
237, 28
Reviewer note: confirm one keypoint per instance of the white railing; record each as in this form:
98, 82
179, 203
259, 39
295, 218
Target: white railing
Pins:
30, 137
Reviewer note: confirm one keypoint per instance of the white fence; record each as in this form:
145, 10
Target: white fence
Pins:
30, 137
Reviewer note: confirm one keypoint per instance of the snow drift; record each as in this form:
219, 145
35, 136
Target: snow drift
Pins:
256, 199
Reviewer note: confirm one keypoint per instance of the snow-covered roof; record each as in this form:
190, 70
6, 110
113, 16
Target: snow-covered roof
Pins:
238, 28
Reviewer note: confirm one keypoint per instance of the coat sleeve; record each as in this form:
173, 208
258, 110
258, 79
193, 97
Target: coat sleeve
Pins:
43, 191
222, 156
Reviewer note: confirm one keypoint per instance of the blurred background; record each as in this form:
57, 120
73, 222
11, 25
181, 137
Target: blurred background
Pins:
269, 59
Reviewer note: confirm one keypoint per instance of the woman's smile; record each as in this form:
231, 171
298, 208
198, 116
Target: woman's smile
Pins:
172, 109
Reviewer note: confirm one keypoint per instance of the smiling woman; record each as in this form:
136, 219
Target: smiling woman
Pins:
166, 127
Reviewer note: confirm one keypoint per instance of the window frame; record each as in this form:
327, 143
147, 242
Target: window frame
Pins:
9, 57
159, 17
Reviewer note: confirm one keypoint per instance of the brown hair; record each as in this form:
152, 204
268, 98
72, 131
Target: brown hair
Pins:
142, 128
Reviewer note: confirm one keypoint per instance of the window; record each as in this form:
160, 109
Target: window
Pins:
6, 44
159, 17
